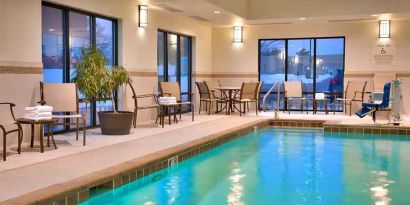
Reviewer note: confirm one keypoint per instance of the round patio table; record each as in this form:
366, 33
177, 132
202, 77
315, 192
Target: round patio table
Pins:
50, 124
230, 91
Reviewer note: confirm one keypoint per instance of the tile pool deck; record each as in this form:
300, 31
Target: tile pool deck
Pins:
33, 172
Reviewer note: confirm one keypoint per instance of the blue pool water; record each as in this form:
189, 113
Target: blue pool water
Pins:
281, 166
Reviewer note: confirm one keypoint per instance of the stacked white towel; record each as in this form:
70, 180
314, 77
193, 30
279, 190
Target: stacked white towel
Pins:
167, 100
38, 113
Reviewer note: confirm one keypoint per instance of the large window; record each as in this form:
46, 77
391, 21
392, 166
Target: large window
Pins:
174, 60
316, 62
65, 32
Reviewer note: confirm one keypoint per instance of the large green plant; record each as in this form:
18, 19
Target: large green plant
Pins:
94, 80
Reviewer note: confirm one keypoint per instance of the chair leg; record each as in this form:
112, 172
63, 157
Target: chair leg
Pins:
210, 107
20, 136
193, 111
290, 105
256, 107
84, 135
76, 131
200, 106
4, 146
134, 120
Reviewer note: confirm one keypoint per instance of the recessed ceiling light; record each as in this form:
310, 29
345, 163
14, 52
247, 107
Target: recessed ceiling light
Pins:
52, 29
217, 12
375, 15
302, 18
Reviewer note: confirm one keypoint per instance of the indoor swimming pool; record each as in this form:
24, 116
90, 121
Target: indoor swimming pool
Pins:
281, 166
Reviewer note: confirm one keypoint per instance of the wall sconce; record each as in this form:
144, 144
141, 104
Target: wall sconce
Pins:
237, 34
384, 29
143, 16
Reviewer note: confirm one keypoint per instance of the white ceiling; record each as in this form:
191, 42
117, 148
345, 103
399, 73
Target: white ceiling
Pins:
256, 12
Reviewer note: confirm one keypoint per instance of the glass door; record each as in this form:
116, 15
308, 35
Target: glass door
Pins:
174, 58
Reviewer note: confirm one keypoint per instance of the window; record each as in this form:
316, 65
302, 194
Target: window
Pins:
65, 32
174, 60
317, 62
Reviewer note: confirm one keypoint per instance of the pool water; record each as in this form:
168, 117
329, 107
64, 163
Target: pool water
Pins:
281, 166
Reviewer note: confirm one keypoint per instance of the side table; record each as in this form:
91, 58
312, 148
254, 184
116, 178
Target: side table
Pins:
41, 123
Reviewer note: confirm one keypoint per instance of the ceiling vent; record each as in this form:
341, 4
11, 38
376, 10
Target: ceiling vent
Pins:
351, 20
168, 8
200, 18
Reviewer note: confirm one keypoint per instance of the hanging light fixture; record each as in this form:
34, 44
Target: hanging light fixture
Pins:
384, 29
143, 16
237, 34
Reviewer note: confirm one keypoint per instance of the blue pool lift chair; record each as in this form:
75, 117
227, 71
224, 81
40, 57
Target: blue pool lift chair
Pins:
368, 108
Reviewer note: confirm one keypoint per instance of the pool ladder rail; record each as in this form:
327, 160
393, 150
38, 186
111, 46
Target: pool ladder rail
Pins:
265, 97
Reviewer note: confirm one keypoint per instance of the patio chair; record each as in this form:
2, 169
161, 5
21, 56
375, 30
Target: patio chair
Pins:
354, 92
213, 86
208, 97
249, 94
294, 92
172, 89
8, 125
373, 107
153, 104
63, 97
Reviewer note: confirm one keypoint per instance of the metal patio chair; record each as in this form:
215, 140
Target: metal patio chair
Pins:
9, 125
63, 97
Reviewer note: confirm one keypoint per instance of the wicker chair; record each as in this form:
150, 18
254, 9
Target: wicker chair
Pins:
153, 104
9, 125
294, 92
63, 97
354, 93
172, 89
249, 94
208, 97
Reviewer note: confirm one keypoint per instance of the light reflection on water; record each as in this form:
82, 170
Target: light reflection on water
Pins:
235, 195
380, 188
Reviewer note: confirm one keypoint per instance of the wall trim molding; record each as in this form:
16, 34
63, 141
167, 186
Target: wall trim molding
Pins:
146, 73
370, 74
20, 70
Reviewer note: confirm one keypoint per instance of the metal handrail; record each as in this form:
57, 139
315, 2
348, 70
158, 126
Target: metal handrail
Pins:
268, 93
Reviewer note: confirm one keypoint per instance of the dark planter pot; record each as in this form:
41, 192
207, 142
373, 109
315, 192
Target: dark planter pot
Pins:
115, 123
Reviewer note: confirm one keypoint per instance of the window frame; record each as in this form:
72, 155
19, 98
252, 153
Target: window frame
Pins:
314, 63
178, 63
66, 49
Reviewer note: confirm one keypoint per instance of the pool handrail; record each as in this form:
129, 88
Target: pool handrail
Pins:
268, 93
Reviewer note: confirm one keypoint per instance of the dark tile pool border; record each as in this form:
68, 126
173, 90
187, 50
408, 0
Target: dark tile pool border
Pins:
335, 127
81, 189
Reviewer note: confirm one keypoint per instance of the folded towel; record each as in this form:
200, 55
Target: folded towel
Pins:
37, 118
38, 109
41, 114
44, 108
30, 108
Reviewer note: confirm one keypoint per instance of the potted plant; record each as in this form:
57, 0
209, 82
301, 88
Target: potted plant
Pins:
97, 82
